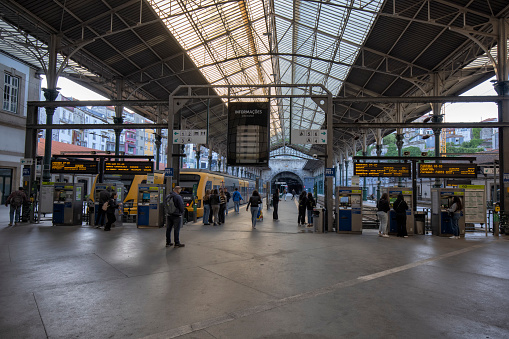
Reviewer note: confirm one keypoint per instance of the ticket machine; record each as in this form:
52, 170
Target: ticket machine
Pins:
150, 205
441, 201
68, 204
349, 210
393, 193
114, 187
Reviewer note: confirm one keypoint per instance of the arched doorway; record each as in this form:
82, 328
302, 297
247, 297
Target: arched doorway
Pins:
291, 180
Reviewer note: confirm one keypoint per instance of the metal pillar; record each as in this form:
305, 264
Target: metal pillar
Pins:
378, 154
50, 94
437, 118
197, 156
158, 137
502, 89
118, 116
364, 153
169, 155
30, 153
399, 145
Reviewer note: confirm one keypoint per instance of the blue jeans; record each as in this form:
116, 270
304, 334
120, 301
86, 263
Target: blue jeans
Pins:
254, 214
206, 213
174, 222
11, 213
310, 216
454, 224
236, 205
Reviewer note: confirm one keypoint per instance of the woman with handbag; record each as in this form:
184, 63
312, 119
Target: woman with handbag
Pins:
400, 206
455, 210
255, 201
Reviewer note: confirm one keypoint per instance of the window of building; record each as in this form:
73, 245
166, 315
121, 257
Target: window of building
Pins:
93, 145
93, 136
11, 92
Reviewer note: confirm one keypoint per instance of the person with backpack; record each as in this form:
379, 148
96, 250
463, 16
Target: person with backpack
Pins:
293, 194
455, 210
16, 199
236, 200
214, 205
310, 204
400, 206
255, 201
110, 211
174, 210
275, 204
228, 197
383, 207
301, 219
104, 197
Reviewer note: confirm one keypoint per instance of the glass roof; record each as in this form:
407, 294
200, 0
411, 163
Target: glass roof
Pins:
279, 41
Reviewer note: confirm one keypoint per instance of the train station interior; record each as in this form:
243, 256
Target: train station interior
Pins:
330, 110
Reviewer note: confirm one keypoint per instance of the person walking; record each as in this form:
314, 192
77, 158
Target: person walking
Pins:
236, 200
301, 219
400, 206
222, 206
255, 201
310, 205
16, 199
275, 204
228, 197
214, 205
293, 194
206, 208
284, 193
383, 207
455, 210
174, 211
110, 211
104, 197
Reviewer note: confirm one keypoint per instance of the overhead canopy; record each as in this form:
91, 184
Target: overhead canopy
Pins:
351, 48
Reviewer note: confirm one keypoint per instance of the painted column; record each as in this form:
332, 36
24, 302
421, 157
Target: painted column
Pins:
118, 119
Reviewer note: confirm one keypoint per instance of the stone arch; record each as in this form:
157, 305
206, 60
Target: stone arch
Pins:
292, 180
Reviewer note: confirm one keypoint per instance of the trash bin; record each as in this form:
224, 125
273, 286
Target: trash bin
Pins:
420, 219
318, 219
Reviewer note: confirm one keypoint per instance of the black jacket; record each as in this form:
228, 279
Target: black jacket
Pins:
310, 204
400, 206
275, 198
214, 199
112, 206
383, 205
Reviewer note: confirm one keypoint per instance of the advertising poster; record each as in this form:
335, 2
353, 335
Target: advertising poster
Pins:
248, 134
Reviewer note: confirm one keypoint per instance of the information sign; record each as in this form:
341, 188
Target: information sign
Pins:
168, 172
330, 172
74, 167
374, 169
27, 161
26, 171
447, 170
128, 167
190, 136
309, 136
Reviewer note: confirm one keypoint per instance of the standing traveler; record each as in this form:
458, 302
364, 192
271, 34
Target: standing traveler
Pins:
255, 201
310, 204
293, 194
174, 210
383, 207
214, 205
275, 204
206, 208
285, 193
228, 197
455, 210
16, 199
104, 197
400, 206
222, 206
301, 219
236, 199
110, 212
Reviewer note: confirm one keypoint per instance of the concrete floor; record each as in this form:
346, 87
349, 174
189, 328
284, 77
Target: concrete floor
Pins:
235, 282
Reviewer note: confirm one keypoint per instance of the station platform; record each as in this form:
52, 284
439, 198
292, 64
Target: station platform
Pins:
231, 281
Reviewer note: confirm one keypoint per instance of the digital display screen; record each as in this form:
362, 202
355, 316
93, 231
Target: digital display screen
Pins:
128, 167
447, 170
374, 169
74, 167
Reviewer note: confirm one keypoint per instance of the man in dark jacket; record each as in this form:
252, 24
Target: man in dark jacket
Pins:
16, 199
174, 220
104, 197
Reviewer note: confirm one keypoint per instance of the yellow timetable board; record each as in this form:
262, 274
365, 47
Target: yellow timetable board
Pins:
128, 167
447, 170
74, 167
374, 169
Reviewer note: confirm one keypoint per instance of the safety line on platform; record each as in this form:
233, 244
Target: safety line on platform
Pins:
201, 325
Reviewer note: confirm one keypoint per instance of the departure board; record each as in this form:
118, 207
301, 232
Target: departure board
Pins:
447, 170
374, 169
128, 167
74, 167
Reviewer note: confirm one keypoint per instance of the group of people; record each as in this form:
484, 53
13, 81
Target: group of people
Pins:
306, 203
107, 199
216, 204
